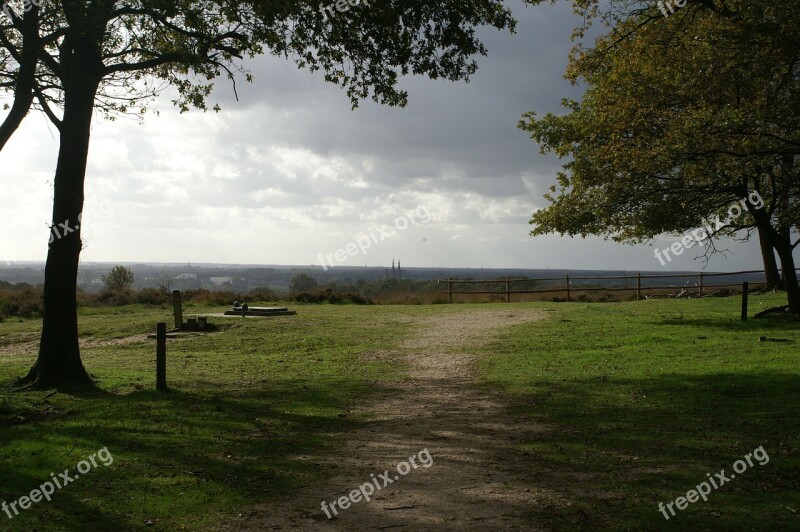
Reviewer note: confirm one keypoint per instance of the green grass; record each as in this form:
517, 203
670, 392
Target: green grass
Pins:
247, 405
638, 401
633, 406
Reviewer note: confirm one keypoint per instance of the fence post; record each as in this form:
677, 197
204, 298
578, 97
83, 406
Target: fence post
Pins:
177, 308
701, 283
508, 291
450, 290
639, 286
569, 293
745, 290
161, 357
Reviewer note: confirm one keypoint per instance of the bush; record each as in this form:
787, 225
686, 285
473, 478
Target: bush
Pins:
25, 303
153, 296
329, 296
201, 296
116, 298
302, 283
263, 294
119, 279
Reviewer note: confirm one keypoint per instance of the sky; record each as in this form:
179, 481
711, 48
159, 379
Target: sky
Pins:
290, 174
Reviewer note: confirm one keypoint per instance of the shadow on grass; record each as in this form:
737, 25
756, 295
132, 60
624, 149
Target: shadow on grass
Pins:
179, 457
781, 324
614, 448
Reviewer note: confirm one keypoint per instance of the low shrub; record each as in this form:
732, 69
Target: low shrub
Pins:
153, 296
329, 296
116, 298
25, 303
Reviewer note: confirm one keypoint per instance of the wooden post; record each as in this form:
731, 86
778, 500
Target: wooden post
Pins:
702, 275
450, 290
569, 294
508, 291
191, 324
745, 293
161, 357
202, 323
177, 308
638, 287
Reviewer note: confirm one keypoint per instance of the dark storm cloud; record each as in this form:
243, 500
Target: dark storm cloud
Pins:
459, 136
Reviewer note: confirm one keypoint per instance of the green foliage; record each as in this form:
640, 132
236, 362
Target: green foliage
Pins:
682, 117
329, 296
118, 279
22, 301
138, 49
302, 282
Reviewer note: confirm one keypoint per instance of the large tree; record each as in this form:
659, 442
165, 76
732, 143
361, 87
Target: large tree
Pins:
683, 117
114, 55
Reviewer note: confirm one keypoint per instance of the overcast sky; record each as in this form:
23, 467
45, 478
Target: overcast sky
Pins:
291, 172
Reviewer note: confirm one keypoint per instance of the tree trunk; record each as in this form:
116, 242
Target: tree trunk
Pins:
785, 249
773, 276
59, 362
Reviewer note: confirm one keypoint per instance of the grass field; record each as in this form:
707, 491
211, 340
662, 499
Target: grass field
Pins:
636, 401
640, 400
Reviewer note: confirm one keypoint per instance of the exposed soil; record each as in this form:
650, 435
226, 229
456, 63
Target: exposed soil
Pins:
478, 477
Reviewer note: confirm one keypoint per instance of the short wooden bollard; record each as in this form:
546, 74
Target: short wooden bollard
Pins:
745, 293
202, 323
178, 309
161, 356
191, 324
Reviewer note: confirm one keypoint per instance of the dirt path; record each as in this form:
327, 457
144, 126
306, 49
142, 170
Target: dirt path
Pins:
477, 477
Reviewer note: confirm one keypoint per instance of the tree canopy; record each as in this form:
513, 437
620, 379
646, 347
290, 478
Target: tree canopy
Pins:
683, 116
118, 279
140, 48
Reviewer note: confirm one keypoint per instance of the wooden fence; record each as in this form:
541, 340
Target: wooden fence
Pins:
567, 284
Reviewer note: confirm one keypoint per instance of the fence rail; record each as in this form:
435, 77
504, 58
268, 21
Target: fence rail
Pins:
568, 287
